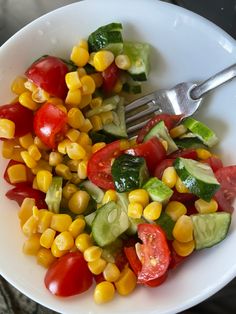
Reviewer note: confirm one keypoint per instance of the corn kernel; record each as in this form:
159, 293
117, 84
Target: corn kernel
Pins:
45, 257
75, 179
110, 195
75, 118
17, 173
164, 144
84, 139
34, 152
203, 153
169, 177
68, 190
92, 253
26, 140
135, 210
56, 252
118, 87
83, 44
73, 98
17, 86
8, 148
60, 222
88, 85
17, 154
97, 146
98, 79
104, 292
26, 100
111, 272
7, 128
83, 241
47, 238
175, 209
77, 227
61, 147
139, 196
87, 126
40, 144
26, 210
30, 86
56, 101
96, 122
152, 211
178, 131
82, 169
183, 229
41, 165
44, 220
97, 267
79, 56
73, 81
96, 102
78, 203
85, 100
204, 207
30, 226
180, 187
91, 57
39, 95
183, 249
64, 241
106, 117
63, 171
123, 62
55, 158
44, 180
31, 245
102, 60
81, 72
29, 161
75, 151
127, 282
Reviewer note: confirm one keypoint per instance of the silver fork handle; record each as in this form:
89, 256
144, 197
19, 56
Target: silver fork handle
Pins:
213, 82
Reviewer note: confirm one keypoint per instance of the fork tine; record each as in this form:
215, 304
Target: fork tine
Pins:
141, 114
139, 102
136, 127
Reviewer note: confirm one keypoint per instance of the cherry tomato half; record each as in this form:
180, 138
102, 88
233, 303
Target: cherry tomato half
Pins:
155, 253
50, 124
21, 116
69, 275
170, 121
49, 73
110, 77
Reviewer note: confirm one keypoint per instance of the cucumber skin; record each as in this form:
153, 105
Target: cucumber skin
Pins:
189, 143
153, 186
203, 190
103, 39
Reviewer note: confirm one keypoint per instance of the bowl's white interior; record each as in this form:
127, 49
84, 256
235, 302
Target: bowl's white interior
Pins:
184, 47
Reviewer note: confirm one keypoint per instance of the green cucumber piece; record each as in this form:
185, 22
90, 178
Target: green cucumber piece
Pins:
160, 130
90, 218
129, 172
157, 190
138, 54
100, 109
193, 142
210, 229
111, 27
204, 133
132, 88
167, 224
54, 194
93, 190
101, 136
198, 177
109, 223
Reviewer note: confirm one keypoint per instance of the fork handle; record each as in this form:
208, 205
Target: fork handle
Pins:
213, 82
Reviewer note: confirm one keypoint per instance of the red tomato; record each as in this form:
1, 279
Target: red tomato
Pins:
23, 190
99, 278
182, 197
169, 120
30, 176
155, 253
152, 150
50, 124
162, 166
225, 196
69, 275
185, 153
21, 116
214, 162
99, 165
110, 77
49, 73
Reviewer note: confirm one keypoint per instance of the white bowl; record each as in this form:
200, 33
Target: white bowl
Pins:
184, 47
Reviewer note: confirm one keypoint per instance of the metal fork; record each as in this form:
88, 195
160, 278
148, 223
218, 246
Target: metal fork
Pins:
184, 98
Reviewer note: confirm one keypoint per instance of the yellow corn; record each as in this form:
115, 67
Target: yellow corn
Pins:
83, 43
55, 158
127, 282
30, 226
75, 178
87, 126
68, 190
97, 146
73, 98
39, 95
122, 62
178, 131
98, 79
77, 227
111, 272
164, 144
8, 148
96, 102
44, 220
31, 245
85, 100
17, 86
104, 292
25, 99
44, 180
34, 152
139, 196
83, 241
45, 257
79, 56
73, 135
204, 207
79, 202
97, 267
26, 140
110, 195
180, 187
29, 161
106, 117
63, 171
118, 87
56, 101
17, 154
102, 60
88, 85
175, 210
56, 252
64, 241
96, 122
17, 173
84, 139
26, 210
47, 238
169, 177
92, 253
82, 169
75, 118
40, 144
75, 151
183, 249
60, 222
81, 72
91, 57
73, 81
41, 165
61, 147
29, 85
35, 184
152, 211
203, 153
183, 229
7, 128
135, 210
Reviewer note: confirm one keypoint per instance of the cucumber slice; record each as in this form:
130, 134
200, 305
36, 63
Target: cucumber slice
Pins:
93, 190
111, 27
54, 195
197, 177
167, 224
100, 109
109, 223
210, 229
138, 54
206, 135
132, 88
90, 218
129, 172
193, 142
157, 190
160, 130
101, 136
